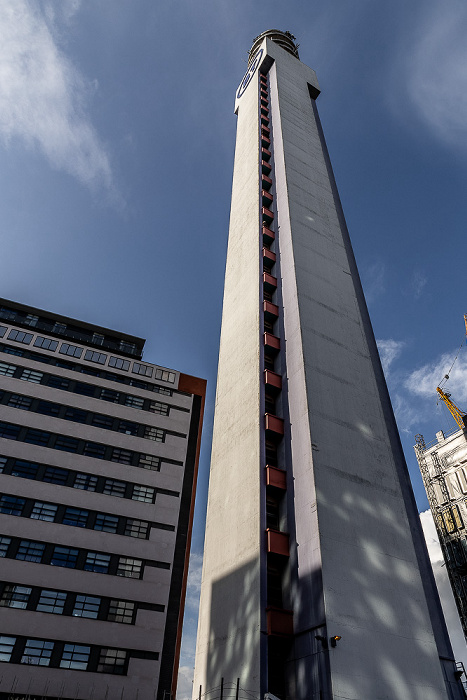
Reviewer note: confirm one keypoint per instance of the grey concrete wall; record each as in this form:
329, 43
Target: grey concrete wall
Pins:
229, 636
353, 519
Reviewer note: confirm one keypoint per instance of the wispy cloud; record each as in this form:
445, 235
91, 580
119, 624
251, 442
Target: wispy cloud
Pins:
374, 281
419, 282
389, 350
423, 381
434, 62
407, 413
185, 683
43, 96
187, 652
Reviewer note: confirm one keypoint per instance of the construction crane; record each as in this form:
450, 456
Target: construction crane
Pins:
459, 416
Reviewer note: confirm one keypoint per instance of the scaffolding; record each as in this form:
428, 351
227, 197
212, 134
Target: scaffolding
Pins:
448, 507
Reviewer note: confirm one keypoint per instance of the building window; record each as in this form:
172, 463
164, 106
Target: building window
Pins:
127, 427
75, 656
112, 487
13, 351
47, 408
109, 395
162, 390
3, 461
150, 462
142, 369
137, 528
72, 350
158, 407
76, 415
6, 647
17, 401
84, 389
86, 606
86, 482
9, 431
58, 382
155, 434
130, 568
37, 652
121, 456
66, 444
26, 470
93, 449
45, 343
20, 336
112, 661
55, 475
4, 544
51, 602
99, 563
165, 375
88, 370
7, 370
134, 402
457, 518
94, 356
64, 556
106, 523
29, 375
37, 437
64, 364
119, 363
121, 611
30, 551
127, 347
3, 330
101, 421
15, 597
11, 505
44, 511
77, 517
146, 494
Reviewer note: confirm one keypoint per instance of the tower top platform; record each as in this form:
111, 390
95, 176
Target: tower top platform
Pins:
285, 39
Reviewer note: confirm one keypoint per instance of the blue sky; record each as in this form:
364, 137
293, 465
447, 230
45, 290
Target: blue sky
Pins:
117, 135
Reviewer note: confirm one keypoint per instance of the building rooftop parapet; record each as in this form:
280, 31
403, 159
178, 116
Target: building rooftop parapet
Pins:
64, 327
425, 447
284, 39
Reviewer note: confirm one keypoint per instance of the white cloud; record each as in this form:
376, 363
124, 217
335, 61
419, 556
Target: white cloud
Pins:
435, 63
419, 282
185, 683
42, 94
407, 414
190, 624
389, 350
374, 281
444, 588
423, 381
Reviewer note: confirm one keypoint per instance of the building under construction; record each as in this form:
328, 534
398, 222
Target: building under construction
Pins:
443, 464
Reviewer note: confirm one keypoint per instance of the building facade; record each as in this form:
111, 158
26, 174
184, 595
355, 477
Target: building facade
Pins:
98, 460
316, 581
443, 465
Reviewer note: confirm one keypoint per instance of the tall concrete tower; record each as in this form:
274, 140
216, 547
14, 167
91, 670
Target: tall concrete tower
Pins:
316, 582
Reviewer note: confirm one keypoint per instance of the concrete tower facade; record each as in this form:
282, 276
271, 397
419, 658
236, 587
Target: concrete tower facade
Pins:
316, 582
